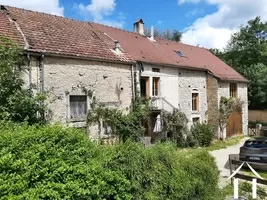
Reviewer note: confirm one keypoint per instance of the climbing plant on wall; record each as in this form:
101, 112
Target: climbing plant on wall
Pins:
227, 107
16, 103
124, 125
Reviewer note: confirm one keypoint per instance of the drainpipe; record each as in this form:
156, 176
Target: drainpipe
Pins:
133, 82
41, 68
30, 70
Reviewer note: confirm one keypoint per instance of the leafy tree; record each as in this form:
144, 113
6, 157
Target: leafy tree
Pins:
247, 53
16, 103
173, 35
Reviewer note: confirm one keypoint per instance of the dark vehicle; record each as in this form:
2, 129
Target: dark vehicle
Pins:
254, 150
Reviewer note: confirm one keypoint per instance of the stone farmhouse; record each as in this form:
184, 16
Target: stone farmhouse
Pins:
75, 61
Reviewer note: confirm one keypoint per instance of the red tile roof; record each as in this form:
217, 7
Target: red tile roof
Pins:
8, 29
57, 35
163, 52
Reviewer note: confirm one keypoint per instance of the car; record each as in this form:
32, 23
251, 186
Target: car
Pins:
254, 150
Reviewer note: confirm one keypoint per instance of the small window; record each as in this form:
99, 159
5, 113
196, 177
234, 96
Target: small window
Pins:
180, 53
155, 86
78, 107
233, 90
196, 120
195, 101
155, 70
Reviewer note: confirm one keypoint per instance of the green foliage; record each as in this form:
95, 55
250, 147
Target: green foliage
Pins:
227, 106
173, 35
52, 162
16, 103
247, 53
126, 126
175, 125
202, 134
162, 172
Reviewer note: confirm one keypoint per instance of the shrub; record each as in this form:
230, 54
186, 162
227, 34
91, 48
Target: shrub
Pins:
162, 172
16, 103
175, 124
202, 134
52, 162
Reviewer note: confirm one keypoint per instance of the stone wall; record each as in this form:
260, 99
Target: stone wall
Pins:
110, 83
212, 98
192, 81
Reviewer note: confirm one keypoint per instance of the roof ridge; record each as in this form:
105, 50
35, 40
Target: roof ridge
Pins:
120, 29
39, 12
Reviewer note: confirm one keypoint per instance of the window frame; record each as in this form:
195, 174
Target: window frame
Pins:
79, 117
233, 90
196, 103
156, 90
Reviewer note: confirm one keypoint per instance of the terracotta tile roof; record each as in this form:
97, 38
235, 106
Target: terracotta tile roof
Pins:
164, 52
8, 29
57, 35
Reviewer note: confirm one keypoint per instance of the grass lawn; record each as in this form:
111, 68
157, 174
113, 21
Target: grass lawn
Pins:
220, 144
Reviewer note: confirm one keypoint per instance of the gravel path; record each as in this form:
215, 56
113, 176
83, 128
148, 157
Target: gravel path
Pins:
221, 156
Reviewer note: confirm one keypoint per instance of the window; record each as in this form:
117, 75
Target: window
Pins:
233, 90
144, 87
155, 86
196, 120
195, 101
155, 70
180, 53
78, 107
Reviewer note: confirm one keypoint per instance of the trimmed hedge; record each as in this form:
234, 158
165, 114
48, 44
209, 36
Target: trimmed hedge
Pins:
52, 162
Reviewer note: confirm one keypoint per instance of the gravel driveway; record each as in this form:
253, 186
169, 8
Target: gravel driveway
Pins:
221, 156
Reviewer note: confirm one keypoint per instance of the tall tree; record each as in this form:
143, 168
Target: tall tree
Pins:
247, 53
173, 35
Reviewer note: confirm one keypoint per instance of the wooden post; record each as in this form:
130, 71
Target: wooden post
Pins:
230, 166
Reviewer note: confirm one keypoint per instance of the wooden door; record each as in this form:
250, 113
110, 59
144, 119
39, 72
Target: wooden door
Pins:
234, 124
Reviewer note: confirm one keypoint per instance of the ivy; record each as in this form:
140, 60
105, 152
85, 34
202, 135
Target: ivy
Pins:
227, 107
16, 103
124, 125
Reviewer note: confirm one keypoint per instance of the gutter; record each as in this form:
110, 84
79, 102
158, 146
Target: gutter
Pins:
33, 52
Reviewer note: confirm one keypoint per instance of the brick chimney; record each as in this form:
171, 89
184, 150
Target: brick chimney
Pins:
139, 27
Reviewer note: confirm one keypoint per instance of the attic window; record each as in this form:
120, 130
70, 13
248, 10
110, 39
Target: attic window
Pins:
180, 53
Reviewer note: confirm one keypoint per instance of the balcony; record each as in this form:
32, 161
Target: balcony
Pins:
160, 103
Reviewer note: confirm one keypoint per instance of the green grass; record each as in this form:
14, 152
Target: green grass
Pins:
245, 190
219, 144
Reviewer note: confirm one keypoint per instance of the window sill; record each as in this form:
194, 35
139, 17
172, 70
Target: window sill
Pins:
195, 112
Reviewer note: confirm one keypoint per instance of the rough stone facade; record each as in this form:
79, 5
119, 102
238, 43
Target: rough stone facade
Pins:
176, 88
212, 97
109, 83
193, 82
242, 93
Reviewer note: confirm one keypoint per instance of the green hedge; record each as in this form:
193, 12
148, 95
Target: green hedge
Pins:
52, 162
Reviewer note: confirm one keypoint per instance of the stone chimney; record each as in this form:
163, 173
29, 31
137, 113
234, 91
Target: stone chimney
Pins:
139, 27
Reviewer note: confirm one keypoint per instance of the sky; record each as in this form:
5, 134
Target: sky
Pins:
207, 23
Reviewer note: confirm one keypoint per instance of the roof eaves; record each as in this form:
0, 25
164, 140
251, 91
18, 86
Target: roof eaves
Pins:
64, 55
177, 66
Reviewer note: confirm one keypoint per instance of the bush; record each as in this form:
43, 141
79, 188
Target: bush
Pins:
52, 162
202, 134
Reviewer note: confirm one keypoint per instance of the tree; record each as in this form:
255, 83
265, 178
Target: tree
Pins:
16, 103
173, 35
246, 52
